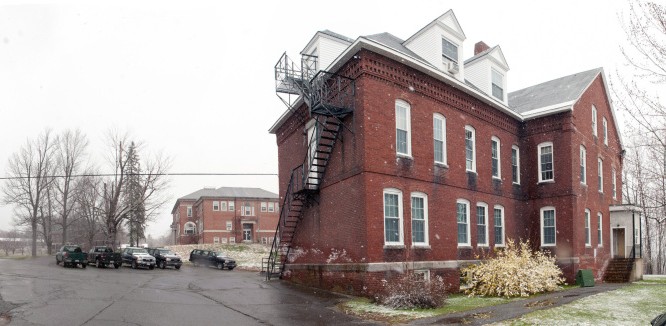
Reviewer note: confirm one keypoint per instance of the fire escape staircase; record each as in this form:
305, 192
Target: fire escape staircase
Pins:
329, 98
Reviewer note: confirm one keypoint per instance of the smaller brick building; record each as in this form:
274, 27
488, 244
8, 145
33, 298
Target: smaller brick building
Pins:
225, 215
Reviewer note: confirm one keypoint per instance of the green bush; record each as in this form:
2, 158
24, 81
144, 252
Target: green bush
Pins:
515, 271
410, 291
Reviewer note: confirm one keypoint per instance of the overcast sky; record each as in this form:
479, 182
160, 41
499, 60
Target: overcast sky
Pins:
194, 79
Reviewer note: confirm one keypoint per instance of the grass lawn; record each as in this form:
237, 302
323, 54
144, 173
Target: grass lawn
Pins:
454, 303
636, 304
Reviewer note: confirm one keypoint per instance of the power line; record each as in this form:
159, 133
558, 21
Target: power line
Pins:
144, 174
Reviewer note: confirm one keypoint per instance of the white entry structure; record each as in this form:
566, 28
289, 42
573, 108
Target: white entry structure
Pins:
626, 236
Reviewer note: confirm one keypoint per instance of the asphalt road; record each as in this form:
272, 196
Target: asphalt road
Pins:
38, 292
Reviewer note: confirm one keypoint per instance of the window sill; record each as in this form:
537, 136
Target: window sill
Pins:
421, 246
499, 246
394, 246
470, 171
497, 178
405, 156
546, 181
441, 165
549, 245
600, 246
465, 246
516, 183
485, 246
583, 184
588, 246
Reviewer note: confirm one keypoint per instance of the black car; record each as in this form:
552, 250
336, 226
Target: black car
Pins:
165, 257
211, 258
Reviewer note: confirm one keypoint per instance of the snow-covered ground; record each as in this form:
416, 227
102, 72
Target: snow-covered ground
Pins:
247, 256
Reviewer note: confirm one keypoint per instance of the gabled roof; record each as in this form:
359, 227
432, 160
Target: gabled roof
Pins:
336, 35
226, 192
339, 37
489, 52
552, 96
393, 42
456, 29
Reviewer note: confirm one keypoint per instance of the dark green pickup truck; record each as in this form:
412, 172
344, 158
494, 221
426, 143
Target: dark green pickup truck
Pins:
103, 256
71, 255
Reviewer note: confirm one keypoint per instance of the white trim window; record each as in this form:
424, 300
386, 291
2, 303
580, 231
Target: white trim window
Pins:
402, 128
223, 206
449, 50
247, 209
439, 138
497, 84
216, 240
594, 120
588, 240
230, 225
393, 234
482, 224
189, 211
190, 228
546, 167
548, 226
419, 219
216, 206
604, 124
231, 207
614, 183
263, 207
583, 165
498, 216
599, 230
422, 274
600, 176
515, 164
470, 149
462, 217
271, 207
495, 158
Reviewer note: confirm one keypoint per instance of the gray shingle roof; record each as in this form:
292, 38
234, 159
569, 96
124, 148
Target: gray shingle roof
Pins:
230, 192
336, 35
395, 43
480, 54
551, 93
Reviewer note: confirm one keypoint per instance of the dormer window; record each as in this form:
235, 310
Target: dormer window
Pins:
449, 50
497, 80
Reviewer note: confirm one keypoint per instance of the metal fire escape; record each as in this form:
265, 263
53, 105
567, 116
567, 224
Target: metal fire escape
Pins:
329, 97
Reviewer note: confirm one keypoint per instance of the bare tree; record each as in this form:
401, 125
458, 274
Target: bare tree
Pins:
152, 180
46, 219
71, 152
634, 92
29, 175
89, 203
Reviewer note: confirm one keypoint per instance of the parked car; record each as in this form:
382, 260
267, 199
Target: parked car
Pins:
212, 259
71, 255
165, 257
103, 256
138, 257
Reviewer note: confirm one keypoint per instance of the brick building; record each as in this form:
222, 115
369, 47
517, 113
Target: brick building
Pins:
398, 155
225, 215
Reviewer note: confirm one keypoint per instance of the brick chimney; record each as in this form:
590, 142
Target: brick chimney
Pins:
480, 47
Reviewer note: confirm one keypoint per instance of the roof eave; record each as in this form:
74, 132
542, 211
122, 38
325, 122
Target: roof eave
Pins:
549, 110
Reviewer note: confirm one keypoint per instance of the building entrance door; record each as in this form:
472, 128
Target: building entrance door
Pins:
618, 243
247, 231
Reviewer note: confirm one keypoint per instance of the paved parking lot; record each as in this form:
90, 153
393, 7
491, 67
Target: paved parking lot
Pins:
38, 292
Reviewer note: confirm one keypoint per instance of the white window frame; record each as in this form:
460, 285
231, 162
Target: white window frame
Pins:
232, 239
583, 165
495, 140
588, 233
483, 206
393, 191
468, 243
189, 211
190, 226
600, 230
229, 225
408, 127
216, 240
223, 206
457, 58
502, 225
425, 273
515, 149
473, 141
264, 208
600, 174
594, 121
492, 83
423, 196
247, 209
271, 207
441, 136
552, 155
614, 182
605, 126
216, 205
232, 207
541, 213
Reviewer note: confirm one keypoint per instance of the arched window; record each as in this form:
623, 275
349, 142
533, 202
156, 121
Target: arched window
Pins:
190, 228
403, 128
